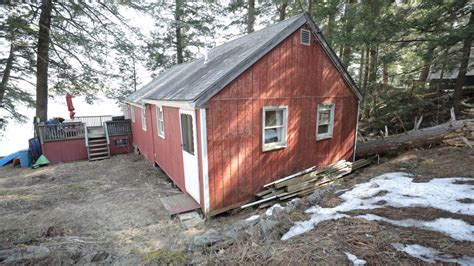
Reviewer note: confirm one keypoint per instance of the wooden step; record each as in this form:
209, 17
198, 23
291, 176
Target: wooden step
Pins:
91, 154
94, 149
98, 148
99, 158
98, 144
96, 135
98, 140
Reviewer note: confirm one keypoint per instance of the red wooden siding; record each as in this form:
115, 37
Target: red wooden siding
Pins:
114, 150
294, 75
143, 139
168, 150
65, 150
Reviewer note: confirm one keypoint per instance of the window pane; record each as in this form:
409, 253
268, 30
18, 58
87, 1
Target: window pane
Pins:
324, 117
161, 127
323, 129
160, 114
187, 133
273, 118
273, 135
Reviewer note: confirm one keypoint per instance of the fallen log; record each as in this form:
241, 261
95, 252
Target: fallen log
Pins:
416, 138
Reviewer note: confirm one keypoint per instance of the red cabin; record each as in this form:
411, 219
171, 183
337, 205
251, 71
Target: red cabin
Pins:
256, 109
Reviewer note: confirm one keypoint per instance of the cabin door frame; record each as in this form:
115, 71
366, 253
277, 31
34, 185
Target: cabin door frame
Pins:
187, 122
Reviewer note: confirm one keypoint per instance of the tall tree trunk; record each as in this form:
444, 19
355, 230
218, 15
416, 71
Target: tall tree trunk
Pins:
282, 11
134, 73
43, 61
466, 52
385, 73
6, 72
331, 22
361, 66
425, 70
251, 16
348, 28
179, 35
310, 7
373, 65
366, 73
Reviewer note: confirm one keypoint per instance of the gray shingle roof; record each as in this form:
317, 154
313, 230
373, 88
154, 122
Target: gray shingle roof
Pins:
197, 81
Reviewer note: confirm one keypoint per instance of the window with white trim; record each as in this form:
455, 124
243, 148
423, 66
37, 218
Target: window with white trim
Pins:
143, 118
132, 113
325, 121
161, 121
275, 127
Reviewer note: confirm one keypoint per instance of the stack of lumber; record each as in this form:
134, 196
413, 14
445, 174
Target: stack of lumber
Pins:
304, 182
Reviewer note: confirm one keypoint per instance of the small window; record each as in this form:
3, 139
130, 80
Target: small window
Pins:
161, 121
121, 143
132, 113
325, 121
305, 37
275, 127
187, 132
143, 118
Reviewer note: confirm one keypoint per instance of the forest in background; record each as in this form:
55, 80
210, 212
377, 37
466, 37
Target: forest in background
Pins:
410, 58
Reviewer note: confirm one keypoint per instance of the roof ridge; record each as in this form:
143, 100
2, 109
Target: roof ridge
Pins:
260, 30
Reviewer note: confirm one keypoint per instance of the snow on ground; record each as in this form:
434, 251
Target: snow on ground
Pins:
253, 217
354, 259
270, 210
398, 190
431, 255
454, 228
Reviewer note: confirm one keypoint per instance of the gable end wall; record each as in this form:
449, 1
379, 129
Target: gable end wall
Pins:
294, 75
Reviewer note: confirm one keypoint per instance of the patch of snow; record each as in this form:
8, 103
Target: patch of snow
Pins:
398, 190
354, 259
320, 215
431, 255
253, 217
270, 210
454, 228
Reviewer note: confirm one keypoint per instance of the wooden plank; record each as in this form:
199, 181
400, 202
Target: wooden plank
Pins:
312, 168
257, 202
263, 193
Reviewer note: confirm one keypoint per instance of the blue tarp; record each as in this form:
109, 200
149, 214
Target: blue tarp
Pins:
35, 148
9, 158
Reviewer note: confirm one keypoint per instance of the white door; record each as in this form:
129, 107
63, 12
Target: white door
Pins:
189, 147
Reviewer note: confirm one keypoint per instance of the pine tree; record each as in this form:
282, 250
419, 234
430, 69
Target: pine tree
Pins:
183, 28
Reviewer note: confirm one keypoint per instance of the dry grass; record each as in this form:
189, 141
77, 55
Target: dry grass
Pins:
324, 245
86, 207
327, 243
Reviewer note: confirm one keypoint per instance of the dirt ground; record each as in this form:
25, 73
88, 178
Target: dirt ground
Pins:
108, 212
105, 211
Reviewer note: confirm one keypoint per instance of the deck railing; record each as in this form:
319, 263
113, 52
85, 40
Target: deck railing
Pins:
119, 127
64, 131
94, 121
